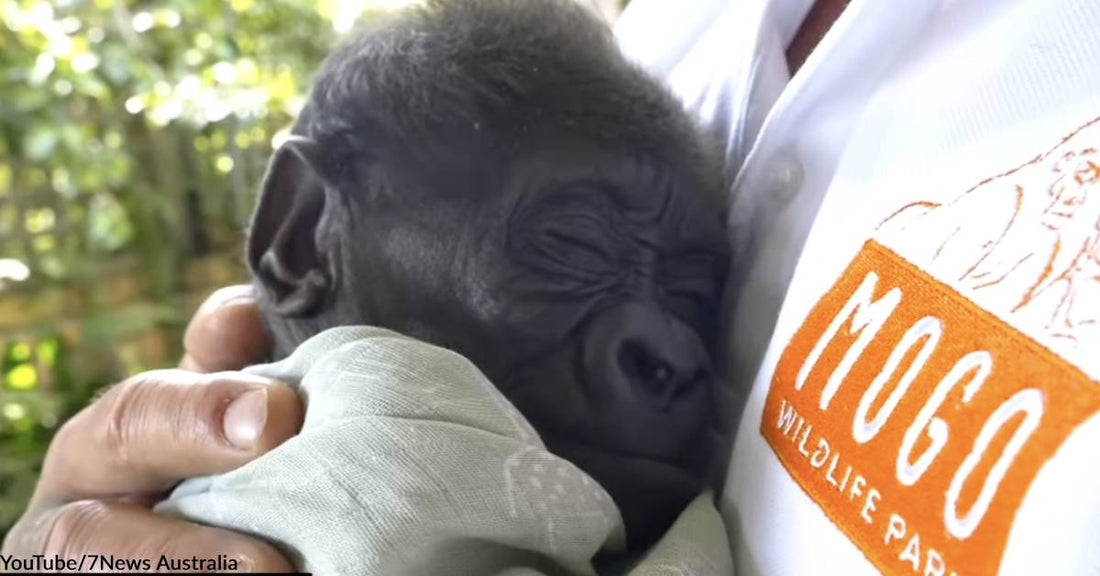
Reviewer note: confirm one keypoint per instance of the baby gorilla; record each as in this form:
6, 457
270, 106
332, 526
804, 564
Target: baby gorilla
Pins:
493, 177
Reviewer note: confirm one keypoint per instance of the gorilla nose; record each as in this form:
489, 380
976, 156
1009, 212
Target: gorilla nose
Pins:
649, 353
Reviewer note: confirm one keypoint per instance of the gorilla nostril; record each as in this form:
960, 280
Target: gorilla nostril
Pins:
641, 368
647, 371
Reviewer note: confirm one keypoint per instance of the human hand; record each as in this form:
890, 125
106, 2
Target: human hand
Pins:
111, 462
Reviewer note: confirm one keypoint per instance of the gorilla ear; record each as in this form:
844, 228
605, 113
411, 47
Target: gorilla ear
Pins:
285, 249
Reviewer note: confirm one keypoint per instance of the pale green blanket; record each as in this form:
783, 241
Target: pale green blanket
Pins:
411, 463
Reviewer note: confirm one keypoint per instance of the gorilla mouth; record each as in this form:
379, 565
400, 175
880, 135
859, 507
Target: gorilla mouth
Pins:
606, 464
649, 492
615, 453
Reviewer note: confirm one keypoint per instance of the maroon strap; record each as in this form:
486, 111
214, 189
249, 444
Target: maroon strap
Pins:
813, 29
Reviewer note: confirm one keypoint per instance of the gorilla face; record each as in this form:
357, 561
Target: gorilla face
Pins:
548, 212
623, 264
584, 285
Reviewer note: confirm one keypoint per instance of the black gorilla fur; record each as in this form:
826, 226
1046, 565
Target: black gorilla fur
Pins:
494, 177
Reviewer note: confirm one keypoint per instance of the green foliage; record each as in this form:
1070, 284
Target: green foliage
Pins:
133, 134
114, 109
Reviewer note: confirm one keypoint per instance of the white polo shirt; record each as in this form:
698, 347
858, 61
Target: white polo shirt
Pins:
916, 309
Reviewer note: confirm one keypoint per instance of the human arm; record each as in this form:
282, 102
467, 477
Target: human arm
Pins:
113, 460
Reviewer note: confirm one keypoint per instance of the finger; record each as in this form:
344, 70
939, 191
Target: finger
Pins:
226, 333
148, 432
128, 532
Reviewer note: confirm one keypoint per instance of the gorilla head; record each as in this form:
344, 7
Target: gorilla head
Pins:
492, 176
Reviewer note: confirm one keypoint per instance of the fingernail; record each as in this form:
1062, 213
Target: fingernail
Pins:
226, 296
245, 418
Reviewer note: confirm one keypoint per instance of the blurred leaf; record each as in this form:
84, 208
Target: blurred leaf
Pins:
20, 352
40, 142
47, 352
109, 226
22, 377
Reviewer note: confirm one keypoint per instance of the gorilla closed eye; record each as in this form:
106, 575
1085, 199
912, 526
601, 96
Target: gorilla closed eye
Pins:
693, 271
567, 234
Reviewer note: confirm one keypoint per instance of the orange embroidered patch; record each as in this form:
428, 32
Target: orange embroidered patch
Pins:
916, 419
